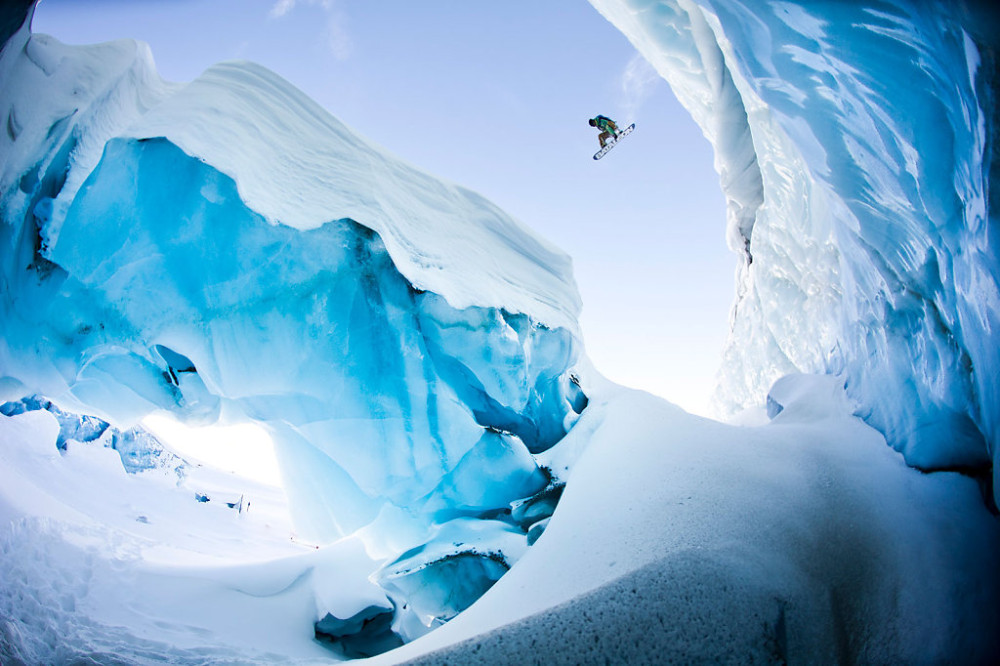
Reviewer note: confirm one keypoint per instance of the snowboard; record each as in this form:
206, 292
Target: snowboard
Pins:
611, 144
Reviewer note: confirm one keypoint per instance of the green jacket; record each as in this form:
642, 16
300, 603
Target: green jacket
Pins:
605, 124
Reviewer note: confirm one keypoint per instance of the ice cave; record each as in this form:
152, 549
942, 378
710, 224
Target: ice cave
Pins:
460, 484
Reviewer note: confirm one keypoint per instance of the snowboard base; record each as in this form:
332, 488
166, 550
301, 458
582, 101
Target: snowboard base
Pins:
613, 142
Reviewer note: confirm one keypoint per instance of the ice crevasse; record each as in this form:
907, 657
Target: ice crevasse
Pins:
226, 248
854, 145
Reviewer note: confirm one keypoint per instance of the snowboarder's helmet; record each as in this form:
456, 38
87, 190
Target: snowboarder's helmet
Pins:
592, 122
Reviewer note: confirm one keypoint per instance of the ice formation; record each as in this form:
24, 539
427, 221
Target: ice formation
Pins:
225, 249
853, 142
228, 247
139, 450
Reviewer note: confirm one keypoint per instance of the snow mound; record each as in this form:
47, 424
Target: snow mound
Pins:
683, 540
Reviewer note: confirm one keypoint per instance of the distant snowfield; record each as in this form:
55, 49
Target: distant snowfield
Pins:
135, 567
806, 539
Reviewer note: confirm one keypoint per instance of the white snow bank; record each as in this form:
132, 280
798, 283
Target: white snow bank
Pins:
806, 540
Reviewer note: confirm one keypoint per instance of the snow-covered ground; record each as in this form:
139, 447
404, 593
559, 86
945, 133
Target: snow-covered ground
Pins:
804, 539
683, 540
101, 563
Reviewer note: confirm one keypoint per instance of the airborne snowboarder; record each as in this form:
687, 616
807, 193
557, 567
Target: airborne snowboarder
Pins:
607, 126
610, 134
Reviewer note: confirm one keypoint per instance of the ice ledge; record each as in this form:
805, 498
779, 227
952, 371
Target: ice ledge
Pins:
293, 162
297, 165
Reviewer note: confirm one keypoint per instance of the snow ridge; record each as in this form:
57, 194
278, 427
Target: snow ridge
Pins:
297, 165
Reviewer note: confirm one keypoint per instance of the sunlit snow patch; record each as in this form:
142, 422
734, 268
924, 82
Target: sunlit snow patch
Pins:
244, 449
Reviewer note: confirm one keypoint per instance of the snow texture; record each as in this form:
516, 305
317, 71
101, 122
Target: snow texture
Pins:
682, 540
853, 146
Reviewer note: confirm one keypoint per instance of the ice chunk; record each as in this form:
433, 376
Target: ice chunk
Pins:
138, 449
441, 578
494, 472
808, 398
442, 588
509, 369
71, 426
536, 530
365, 634
531, 510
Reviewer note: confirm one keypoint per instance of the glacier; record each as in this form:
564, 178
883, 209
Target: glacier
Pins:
416, 336
854, 144
226, 250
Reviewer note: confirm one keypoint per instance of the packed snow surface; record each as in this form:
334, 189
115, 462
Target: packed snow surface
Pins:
806, 539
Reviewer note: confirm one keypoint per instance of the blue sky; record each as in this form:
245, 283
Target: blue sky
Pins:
496, 96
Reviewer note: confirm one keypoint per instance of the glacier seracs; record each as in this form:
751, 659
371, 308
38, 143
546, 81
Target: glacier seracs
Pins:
853, 145
227, 247
138, 449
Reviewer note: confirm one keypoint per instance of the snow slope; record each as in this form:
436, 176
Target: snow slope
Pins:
682, 540
853, 145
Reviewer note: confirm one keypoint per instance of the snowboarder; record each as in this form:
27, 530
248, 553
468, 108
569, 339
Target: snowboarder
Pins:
607, 126
610, 134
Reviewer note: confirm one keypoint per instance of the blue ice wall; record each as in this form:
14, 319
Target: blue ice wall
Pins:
884, 100
854, 142
164, 291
